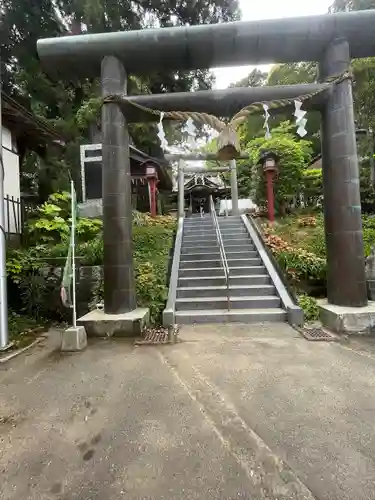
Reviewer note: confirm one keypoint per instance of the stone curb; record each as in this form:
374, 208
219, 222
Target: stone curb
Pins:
13, 354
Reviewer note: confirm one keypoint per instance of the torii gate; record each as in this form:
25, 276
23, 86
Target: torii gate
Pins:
331, 40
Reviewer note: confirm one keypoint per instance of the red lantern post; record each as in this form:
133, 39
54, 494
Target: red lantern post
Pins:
152, 182
269, 162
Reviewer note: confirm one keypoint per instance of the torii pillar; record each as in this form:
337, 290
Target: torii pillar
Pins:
119, 283
346, 278
120, 316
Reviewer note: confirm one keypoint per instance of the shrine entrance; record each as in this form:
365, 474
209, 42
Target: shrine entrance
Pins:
198, 187
330, 40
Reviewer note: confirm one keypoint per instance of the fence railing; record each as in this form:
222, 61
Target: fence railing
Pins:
223, 256
16, 213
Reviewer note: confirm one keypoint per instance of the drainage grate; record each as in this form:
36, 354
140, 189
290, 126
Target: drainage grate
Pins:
160, 335
317, 334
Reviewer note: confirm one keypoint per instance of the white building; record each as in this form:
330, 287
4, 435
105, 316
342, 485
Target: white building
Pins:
21, 131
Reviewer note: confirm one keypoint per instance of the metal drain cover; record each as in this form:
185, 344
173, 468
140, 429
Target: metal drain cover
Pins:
155, 336
318, 334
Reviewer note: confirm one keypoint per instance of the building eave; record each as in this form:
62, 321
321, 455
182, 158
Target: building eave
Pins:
35, 132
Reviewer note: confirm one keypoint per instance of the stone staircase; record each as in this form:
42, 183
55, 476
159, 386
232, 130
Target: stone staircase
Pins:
201, 295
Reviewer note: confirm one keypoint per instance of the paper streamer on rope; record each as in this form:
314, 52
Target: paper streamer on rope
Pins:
161, 134
191, 131
301, 121
266, 124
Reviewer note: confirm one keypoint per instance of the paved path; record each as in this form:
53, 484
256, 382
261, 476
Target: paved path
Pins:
244, 412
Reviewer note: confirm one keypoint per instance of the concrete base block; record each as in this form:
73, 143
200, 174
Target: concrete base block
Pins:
371, 289
168, 317
74, 339
348, 320
131, 324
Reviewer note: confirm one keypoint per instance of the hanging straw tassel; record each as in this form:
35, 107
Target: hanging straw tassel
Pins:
228, 144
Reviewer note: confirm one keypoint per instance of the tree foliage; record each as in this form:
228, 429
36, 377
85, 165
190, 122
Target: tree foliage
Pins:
364, 106
294, 156
348, 5
282, 74
292, 73
74, 110
256, 78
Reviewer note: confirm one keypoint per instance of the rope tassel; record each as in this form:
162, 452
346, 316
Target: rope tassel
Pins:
161, 134
301, 121
266, 124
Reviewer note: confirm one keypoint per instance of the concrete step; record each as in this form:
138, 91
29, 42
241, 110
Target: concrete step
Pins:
240, 249
199, 234
209, 303
215, 255
239, 230
195, 264
221, 291
197, 243
231, 223
233, 232
234, 225
212, 234
203, 227
227, 239
199, 237
239, 246
203, 281
233, 316
218, 271
247, 270
256, 261
235, 236
199, 248
248, 254
202, 221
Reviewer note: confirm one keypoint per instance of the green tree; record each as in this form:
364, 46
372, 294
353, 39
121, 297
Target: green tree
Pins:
292, 73
73, 110
312, 186
294, 155
348, 5
282, 74
256, 78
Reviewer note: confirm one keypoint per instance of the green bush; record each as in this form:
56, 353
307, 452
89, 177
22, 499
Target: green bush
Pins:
298, 263
294, 155
51, 223
312, 186
302, 265
151, 244
314, 240
309, 306
368, 224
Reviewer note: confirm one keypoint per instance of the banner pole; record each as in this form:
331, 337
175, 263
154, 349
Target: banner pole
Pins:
73, 199
4, 333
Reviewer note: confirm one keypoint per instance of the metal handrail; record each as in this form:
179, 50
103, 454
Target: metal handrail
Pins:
223, 256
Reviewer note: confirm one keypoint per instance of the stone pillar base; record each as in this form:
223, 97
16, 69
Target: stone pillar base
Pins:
100, 324
348, 320
74, 339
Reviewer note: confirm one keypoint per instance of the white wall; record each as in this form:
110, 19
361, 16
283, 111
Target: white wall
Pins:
11, 183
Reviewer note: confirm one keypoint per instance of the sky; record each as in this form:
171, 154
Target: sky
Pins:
255, 10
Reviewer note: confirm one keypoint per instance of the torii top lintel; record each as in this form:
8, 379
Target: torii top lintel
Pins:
211, 45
